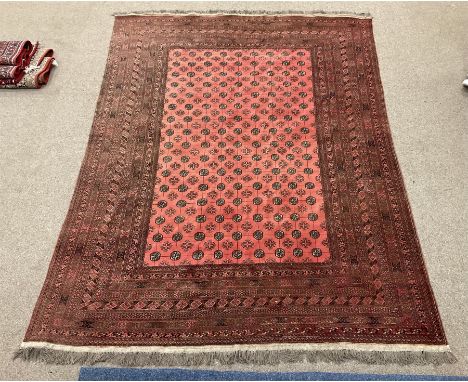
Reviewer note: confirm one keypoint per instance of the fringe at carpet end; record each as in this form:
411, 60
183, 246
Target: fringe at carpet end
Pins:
236, 356
316, 13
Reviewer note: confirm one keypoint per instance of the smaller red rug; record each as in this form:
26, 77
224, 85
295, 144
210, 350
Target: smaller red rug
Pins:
15, 53
35, 75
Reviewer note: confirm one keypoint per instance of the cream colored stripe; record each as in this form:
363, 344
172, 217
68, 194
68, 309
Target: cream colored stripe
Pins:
155, 13
230, 348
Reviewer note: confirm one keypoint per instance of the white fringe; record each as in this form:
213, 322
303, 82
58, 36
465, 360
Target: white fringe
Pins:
215, 13
261, 354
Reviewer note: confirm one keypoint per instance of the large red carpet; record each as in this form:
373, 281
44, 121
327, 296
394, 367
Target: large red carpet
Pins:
240, 200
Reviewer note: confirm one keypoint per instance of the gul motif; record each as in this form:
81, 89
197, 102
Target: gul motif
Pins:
238, 179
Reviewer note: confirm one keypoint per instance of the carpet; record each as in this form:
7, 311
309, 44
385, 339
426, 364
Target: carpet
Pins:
135, 374
14, 57
240, 201
34, 75
15, 53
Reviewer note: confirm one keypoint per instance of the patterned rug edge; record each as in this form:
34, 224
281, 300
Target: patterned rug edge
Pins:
402, 354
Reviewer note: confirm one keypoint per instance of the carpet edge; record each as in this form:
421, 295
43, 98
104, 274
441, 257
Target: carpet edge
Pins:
211, 355
214, 13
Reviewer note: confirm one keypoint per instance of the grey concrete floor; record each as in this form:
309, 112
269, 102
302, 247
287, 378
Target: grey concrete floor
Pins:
423, 53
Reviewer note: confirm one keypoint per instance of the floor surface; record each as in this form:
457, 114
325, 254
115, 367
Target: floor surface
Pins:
423, 53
